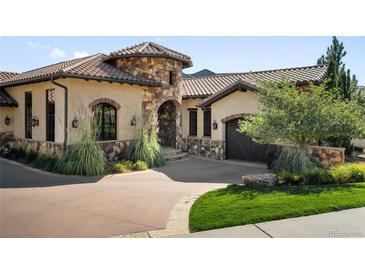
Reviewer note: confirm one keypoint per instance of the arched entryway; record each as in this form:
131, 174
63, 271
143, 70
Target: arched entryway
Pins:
167, 124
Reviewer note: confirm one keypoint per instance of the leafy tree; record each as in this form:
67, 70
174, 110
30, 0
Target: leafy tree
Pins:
292, 116
339, 78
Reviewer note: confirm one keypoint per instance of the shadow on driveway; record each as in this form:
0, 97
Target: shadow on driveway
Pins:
199, 170
13, 175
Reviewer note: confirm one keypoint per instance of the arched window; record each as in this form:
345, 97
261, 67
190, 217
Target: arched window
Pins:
106, 121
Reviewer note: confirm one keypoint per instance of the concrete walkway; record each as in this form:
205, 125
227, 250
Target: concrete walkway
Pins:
342, 224
40, 204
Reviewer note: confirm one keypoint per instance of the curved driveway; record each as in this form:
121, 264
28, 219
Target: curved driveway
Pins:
39, 204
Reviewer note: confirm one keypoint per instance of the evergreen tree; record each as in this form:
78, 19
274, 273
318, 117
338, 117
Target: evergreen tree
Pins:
338, 77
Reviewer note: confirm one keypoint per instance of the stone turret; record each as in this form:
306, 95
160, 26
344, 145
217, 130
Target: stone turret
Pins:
155, 62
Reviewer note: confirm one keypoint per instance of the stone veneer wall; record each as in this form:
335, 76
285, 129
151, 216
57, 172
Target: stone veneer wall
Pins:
215, 149
328, 156
6, 137
157, 69
114, 150
204, 147
48, 148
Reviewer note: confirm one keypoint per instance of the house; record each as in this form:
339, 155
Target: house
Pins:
130, 89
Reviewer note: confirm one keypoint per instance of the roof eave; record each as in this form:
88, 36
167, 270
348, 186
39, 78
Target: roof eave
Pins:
68, 75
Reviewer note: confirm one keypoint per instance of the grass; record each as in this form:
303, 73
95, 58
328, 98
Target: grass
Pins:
237, 205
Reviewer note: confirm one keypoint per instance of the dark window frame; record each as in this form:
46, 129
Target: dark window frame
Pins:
207, 123
193, 122
172, 78
108, 128
28, 105
50, 115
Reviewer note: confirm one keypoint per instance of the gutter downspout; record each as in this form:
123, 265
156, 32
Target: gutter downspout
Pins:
65, 112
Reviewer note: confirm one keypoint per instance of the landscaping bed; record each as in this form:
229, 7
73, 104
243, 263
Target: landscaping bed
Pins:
237, 205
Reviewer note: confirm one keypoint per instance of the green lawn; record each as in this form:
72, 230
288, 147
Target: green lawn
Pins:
236, 205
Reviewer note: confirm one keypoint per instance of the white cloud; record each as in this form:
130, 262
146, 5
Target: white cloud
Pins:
32, 44
56, 53
80, 54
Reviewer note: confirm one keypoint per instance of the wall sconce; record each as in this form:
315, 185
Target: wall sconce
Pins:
75, 123
35, 121
7, 120
215, 125
133, 121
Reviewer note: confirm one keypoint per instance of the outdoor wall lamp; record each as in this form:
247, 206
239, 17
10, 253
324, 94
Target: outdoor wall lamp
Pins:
35, 121
133, 121
75, 123
7, 120
215, 125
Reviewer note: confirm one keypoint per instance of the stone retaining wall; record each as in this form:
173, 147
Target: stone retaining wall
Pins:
328, 156
48, 148
204, 147
114, 150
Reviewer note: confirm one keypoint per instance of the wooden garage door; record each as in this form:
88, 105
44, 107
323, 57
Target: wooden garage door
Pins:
241, 147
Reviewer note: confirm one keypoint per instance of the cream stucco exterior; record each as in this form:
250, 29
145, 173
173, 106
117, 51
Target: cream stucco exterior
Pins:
38, 110
9, 112
185, 106
129, 97
81, 94
235, 103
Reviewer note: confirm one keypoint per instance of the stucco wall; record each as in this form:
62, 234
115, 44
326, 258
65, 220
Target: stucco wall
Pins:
6, 111
234, 103
38, 109
82, 93
191, 103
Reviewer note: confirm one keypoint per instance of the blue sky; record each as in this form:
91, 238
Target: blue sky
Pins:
219, 54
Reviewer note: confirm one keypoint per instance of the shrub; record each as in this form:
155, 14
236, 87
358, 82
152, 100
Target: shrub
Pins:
140, 165
83, 158
15, 153
45, 162
31, 155
293, 159
317, 176
348, 173
123, 167
287, 178
147, 149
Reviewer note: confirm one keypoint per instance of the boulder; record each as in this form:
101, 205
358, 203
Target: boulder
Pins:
254, 180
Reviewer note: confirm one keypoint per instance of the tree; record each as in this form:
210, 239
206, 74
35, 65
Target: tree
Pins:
292, 116
338, 78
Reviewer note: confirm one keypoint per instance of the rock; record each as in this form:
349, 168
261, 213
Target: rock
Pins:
254, 180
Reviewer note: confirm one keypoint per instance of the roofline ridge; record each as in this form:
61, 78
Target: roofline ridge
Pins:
87, 58
163, 48
53, 64
222, 74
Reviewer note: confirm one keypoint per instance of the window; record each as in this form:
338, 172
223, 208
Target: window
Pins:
172, 78
50, 114
106, 121
28, 115
207, 122
193, 122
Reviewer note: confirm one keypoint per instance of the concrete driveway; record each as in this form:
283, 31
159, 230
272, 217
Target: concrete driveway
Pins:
39, 204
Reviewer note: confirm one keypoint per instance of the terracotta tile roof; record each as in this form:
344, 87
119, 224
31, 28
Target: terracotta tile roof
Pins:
91, 67
205, 86
240, 85
5, 74
151, 49
202, 73
6, 100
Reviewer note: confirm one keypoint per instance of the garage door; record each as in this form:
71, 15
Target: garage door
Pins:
241, 147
